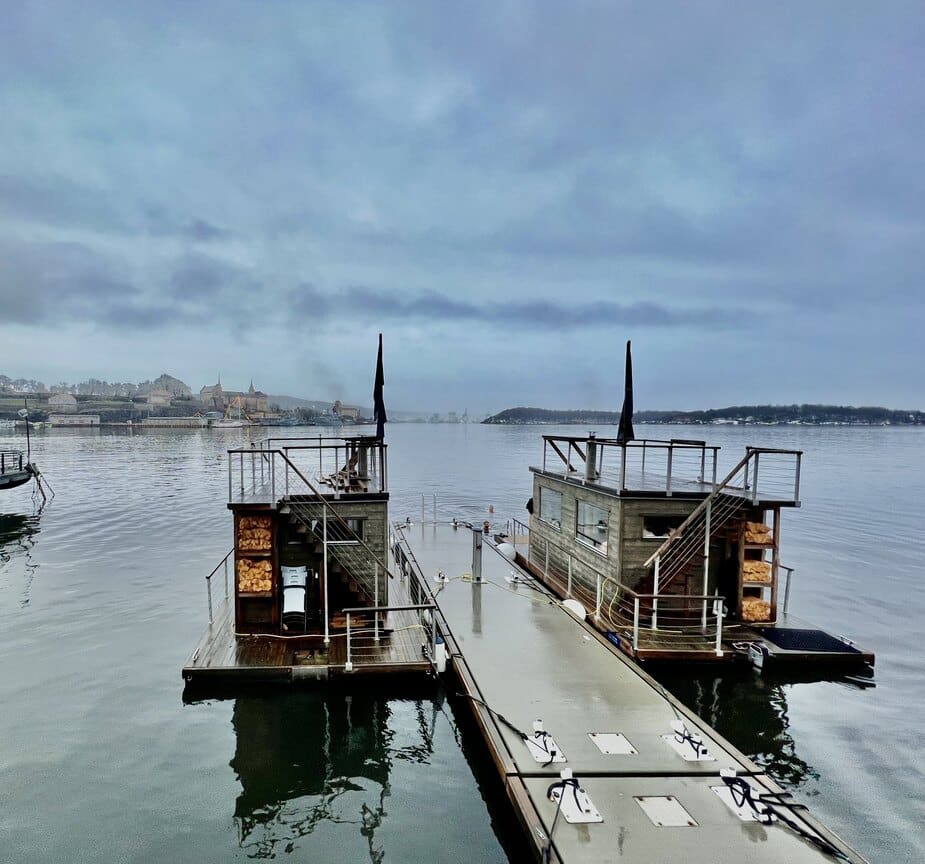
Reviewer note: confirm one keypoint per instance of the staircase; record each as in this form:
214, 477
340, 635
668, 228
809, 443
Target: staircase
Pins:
685, 546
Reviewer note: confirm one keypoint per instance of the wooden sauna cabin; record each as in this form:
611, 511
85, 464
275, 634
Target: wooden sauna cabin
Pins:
673, 559
310, 532
307, 590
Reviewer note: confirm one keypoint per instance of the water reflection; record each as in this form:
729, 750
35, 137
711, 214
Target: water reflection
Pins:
308, 762
751, 712
17, 539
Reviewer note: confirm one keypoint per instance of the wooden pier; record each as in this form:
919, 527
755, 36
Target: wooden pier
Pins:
519, 657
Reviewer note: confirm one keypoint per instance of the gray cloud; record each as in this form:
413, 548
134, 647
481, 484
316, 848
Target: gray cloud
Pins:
669, 173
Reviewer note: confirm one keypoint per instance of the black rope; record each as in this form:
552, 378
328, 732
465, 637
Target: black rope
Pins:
500, 717
696, 743
776, 804
559, 784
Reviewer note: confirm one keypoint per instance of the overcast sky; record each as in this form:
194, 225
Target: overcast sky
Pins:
508, 191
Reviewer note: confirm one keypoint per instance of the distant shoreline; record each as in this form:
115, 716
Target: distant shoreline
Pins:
744, 415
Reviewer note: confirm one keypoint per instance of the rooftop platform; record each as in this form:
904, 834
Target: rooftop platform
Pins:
677, 467
520, 656
277, 468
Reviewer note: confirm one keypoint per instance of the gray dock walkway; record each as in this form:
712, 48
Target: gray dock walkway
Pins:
516, 650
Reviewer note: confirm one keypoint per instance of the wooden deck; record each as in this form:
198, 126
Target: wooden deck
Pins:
224, 657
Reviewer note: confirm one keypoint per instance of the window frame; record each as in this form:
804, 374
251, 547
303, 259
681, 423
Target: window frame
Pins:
555, 524
599, 546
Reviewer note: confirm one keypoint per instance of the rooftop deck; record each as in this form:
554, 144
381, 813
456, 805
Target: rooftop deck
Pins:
519, 656
676, 467
330, 467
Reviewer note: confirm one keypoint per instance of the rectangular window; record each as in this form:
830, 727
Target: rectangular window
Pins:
356, 526
659, 527
551, 507
591, 525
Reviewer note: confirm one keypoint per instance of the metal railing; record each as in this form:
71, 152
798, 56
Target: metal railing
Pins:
346, 465
222, 565
740, 487
363, 645
11, 461
668, 619
649, 464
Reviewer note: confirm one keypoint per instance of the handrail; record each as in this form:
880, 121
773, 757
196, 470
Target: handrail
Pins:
700, 508
376, 610
223, 562
339, 520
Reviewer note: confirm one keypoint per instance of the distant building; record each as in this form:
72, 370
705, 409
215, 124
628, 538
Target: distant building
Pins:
346, 412
74, 419
215, 398
63, 403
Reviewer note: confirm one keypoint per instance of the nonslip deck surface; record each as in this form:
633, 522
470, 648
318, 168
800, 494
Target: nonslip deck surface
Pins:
221, 654
518, 651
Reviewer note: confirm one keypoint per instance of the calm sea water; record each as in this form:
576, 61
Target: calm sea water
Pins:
102, 598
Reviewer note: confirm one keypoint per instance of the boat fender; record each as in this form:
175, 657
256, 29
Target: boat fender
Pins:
573, 606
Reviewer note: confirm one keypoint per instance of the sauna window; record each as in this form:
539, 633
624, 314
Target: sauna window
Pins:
591, 525
659, 527
356, 526
551, 508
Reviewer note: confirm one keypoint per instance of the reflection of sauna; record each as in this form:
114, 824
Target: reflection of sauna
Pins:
292, 745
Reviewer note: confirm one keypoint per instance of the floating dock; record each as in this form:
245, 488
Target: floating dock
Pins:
649, 781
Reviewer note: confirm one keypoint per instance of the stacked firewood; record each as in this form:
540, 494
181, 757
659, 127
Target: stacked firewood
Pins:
756, 571
757, 534
254, 576
254, 534
755, 609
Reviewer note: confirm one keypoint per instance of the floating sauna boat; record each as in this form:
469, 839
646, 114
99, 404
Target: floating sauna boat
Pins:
671, 560
15, 470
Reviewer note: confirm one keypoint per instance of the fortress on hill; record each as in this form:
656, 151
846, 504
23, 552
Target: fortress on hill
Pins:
215, 398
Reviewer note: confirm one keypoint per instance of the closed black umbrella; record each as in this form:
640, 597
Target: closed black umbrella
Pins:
625, 429
378, 404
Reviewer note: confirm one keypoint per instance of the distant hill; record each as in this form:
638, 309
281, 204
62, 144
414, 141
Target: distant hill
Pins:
744, 414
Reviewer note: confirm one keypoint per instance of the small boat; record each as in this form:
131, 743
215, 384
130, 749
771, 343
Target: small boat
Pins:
15, 469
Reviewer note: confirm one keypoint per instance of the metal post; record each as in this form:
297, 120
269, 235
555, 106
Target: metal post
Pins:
226, 577
635, 624
476, 554
286, 453
787, 589
703, 461
273, 480
433, 635
796, 479
668, 476
755, 479
209, 592
229, 477
241, 464
348, 666
714, 469
655, 596
623, 466
719, 628
569, 589
324, 536
376, 603
253, 469
706, 560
